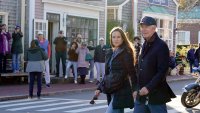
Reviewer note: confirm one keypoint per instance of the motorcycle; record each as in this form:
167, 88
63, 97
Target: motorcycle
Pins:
191, 95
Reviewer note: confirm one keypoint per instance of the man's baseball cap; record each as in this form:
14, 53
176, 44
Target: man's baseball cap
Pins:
101, 38
40, 33
147, 20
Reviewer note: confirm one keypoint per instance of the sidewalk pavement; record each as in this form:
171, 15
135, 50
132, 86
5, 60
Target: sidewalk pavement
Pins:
10, 92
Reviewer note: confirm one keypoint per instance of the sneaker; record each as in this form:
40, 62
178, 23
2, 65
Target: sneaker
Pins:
66, 76
75, 81
48, 85
30, 98
90, 81
38, 98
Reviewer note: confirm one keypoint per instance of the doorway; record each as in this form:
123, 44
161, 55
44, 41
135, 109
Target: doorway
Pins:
53, 28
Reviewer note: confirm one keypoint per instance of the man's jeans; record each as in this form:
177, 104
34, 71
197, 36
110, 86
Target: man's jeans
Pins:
39, 83
47, 72
16, 62
69, 64
91, 70
62, 56
142, 108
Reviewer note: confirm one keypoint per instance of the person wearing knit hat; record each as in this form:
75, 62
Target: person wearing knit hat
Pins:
16, 49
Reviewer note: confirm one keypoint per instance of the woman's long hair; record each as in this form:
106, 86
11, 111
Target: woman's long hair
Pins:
33, 44
126, 43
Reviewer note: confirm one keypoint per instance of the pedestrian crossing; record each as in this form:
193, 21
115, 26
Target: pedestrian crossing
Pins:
62, 105
55, 105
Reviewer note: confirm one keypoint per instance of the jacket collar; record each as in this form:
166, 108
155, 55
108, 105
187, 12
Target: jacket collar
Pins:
148, 44
110, 52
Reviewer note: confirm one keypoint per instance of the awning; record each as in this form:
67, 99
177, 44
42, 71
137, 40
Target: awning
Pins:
157, 9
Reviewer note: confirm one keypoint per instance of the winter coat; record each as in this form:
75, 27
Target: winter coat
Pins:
73, 56
35, 58
61, 44
81, 57
8, 37
99, 54
152, 69
17, 47
122, 98
191, 55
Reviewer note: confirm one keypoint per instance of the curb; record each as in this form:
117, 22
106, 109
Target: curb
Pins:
180, 79
72, 91
47, 94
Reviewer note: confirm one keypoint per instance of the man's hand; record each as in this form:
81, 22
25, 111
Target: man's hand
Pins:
144, 91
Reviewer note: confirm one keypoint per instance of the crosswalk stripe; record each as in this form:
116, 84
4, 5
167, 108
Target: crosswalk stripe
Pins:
65, 107
7, 102
46, 105
86, 109
27, 103
128, 110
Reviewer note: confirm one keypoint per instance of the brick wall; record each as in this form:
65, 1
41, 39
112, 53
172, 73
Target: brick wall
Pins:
194, 30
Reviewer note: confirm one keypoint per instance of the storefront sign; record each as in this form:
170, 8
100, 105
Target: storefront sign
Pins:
53, 17
159, 2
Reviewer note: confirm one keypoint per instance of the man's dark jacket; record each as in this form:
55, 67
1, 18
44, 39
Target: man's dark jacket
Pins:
99, 54
152, 70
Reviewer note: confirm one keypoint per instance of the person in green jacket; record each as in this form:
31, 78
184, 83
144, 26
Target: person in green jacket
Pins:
16, 49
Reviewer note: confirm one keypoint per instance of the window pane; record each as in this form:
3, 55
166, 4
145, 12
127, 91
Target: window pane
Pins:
86, 23
161, 23
1, 19
170, 25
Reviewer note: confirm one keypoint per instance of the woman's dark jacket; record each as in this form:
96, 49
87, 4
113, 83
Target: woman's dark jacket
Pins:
17, 43
122, 97
152, 71
73, 56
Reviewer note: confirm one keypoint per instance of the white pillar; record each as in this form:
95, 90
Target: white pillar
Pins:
31, 18
135, 15
22, 29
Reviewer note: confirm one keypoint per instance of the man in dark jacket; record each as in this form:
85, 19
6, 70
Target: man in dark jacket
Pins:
99, 59
61, 51
191, 57
152, 70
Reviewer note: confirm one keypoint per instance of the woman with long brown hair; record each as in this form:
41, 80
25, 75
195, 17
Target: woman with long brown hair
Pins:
120, 62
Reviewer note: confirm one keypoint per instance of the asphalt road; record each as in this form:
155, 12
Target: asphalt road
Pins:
79, 103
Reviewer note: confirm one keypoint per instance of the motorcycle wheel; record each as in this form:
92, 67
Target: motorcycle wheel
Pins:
188, 99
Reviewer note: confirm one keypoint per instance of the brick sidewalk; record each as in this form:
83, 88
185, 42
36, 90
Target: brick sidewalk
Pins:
21, 91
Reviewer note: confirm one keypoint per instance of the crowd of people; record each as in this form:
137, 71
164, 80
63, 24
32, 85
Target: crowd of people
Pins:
132, 75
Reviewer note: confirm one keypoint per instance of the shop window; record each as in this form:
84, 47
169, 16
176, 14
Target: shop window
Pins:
183, 38
87, 27
1, 19
112, 14
164, 30
40, 25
